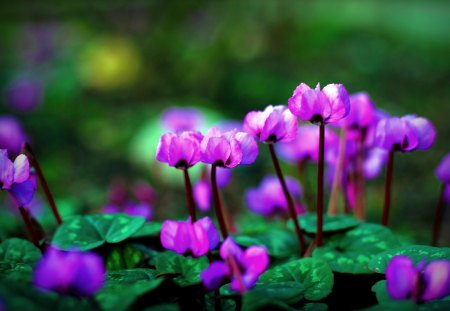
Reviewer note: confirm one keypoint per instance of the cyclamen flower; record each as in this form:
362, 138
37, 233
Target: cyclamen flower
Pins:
243, 268
423, 282
12, 135
274, 124
362, 115
185, 237
443, 170
328, 105
70, 273
268, 198
228, 149
179, 150
180, 119
15, 178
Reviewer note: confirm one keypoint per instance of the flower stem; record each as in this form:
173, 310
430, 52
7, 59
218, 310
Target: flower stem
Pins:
48, 194
387, 189
217, 203
320, 185
290, 202
332, 206
189, 195
360, 205
438, 217
29, 226
237, 273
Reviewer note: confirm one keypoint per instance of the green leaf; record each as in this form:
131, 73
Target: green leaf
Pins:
380, 291
331, 224
188, 268
415, 252
289, 292
19, 251
130, 276
401, 305
256, 300
352, 251
91, 231
123, 257
148, 229
16, 271
226, 304
313, 306
279, 243
314, 274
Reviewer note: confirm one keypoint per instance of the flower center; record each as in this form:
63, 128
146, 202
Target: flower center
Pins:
181, 165
317, 119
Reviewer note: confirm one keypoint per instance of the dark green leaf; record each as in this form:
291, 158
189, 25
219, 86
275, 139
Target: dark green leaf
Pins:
226, 304
256, 300
148, 229
314, 274
90, 231
331, 224
19, 251
130, 276
123, 257
380, 291
352, 251
164, 307
415, 252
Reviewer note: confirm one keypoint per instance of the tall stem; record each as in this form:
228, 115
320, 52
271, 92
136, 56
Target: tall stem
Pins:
320, 185
438, 216
43, 182
189, 195
360, 205
290, 202
332, 206
29, 226
387, 189
217, 203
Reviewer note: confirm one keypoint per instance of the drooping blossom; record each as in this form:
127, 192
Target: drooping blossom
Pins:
185, 237
268, 198
405, 134
273, 124
179, 150
16, 178
421, 282
228, 149
181, 119
328, 105
202, 188
242, 268
443, 170
362, 114
24, 94
12, 136
70, 273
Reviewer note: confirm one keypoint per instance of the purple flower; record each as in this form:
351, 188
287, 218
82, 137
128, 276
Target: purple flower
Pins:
306, 145
228, 149
274, 124
180, 150
242, 268
405, 134
229, 125
16, 179
144, 192
328, 105
362, 114
141, 210
443, 170
180, 119
374, 160
202, 188
185, 237
268, 198
24, 94
70, 273
12, 135
420, 283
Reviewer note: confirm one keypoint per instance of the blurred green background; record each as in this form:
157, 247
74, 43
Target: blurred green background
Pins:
105, 70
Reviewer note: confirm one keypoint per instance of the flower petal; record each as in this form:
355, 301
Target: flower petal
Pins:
168, 233
230, 248
437, 280
214, 275
202, 195
23, 193
213, 235
21, 168
255, 259
6, 169
443, 170
339, 101
162, 152
401, 277
248, 146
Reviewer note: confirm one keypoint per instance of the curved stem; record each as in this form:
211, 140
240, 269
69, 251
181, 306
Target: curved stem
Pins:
438, 217
40, 175
189, 195
332, 206
237, 273
290, 202
388, 188
320, 185
217, 203
29, 226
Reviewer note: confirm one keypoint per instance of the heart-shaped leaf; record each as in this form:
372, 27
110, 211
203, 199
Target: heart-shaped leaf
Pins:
149, 229
19, 251
123, 257
91, 231
331, 224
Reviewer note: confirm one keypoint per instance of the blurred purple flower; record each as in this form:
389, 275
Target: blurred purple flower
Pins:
141, 209
243, 268
328, 105
15, 178
179, 150
274, 124
405, 134
185, 237
229, 125
24, 94
70, 273
202, 188
181, 119
374, 160
447, 194
117, 193
12, 136
420, 283
362, 112
228, 149
144, 192
443, 170
268, 198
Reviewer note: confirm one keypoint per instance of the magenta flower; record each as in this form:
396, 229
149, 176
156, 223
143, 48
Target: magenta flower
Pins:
70, 273
185, 237
420, 283
144, 192
179, 150
181, 119
228, 149
274, 124
242, 268
362, 114
328, 105
374, 161
12, 136
443, 170
269, 198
